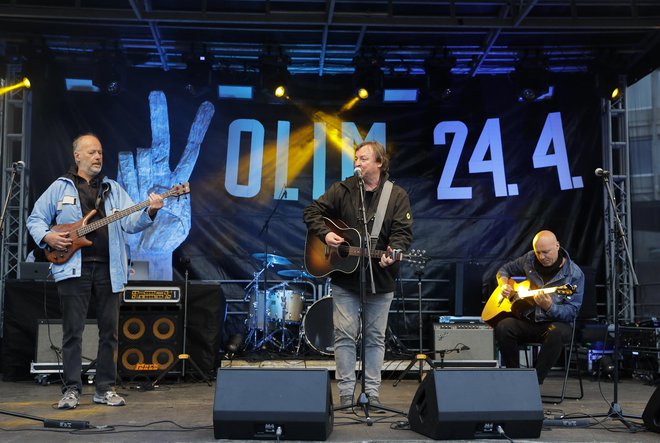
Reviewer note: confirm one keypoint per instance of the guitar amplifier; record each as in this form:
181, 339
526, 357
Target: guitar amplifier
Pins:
463, 341
151, 294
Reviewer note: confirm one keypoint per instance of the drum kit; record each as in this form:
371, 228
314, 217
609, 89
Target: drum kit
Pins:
277, 315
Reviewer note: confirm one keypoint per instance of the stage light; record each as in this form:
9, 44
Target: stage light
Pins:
531, 79
438, 75
110, 74
274, 71
280, 91
25, 83
368, 76
197, 80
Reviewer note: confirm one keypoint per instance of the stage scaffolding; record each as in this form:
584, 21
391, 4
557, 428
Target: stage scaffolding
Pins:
616, 160
15, 129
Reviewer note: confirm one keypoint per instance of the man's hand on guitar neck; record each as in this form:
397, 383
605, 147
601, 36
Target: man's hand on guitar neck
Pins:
387, 259
58, 241
155, 203
543, 300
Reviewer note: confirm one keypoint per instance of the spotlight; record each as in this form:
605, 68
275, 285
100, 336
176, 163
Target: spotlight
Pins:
197, 80
110, 75
438, 76
275, 73
25, 83
531, 79
368, 76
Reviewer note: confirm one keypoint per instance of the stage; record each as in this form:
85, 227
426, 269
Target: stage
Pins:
183, 412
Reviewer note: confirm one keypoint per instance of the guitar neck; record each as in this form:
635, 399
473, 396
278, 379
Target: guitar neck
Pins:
533, 292
116, 216
377, 253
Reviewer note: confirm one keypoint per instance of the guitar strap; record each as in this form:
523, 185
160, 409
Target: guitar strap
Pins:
380, 211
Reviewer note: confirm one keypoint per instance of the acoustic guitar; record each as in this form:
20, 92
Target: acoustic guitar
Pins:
77, 230
498, 306
321, 259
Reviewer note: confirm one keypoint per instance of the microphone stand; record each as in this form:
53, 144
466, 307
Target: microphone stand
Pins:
266, 264
615, 410
364, 261
14, 170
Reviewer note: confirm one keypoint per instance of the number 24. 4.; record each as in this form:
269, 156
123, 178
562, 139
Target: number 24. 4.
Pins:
491, 140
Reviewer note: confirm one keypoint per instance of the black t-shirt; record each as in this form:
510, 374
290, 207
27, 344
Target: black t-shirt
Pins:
91, 198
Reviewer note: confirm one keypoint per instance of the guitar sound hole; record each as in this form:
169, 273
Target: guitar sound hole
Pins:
343, 250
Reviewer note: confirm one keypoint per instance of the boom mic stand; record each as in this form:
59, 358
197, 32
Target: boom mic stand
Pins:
364, 261
615, 410
183, 357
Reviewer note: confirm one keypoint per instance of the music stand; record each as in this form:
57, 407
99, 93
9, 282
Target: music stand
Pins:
364, 262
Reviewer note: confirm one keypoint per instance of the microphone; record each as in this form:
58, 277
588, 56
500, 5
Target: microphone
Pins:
600, 172
358, 173
18, 165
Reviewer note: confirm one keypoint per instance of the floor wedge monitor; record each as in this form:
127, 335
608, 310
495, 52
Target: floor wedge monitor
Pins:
460, 404
272, 404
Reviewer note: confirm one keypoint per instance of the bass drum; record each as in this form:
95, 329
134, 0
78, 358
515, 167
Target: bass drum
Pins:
317, 327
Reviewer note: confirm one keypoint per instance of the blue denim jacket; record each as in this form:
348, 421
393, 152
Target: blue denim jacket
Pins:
61, 203
563, 308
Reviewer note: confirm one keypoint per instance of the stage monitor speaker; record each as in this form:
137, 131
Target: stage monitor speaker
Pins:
149, 338
458, 404
49, 341
262, 403
651, 414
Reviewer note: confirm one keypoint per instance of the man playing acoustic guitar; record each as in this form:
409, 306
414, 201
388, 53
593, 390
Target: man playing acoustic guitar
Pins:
99, 269
342, 201
548, 319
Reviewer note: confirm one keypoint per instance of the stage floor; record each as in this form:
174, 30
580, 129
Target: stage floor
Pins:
183, 412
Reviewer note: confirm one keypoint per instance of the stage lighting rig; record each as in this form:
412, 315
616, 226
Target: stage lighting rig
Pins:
438, 77
368, 76
274, 70
110, 74
531, 78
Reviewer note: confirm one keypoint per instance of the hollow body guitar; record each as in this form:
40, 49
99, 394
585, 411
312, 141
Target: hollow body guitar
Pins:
497, 307
321, 259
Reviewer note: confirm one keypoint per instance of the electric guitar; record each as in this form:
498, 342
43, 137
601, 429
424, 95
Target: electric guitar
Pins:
498, 306
321, 259
77, 230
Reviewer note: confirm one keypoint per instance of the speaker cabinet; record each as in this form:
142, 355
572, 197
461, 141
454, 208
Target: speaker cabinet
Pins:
651, 415
49, 336
477, 338
149, 338
457, 404
256, 403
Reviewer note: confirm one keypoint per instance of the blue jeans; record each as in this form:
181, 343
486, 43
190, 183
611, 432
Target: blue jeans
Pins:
346, 320
75, 295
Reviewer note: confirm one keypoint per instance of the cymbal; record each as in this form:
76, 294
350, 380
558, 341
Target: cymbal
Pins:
293, 273
271, 259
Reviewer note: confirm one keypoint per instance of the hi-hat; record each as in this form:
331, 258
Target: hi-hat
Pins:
271, 259
294, 273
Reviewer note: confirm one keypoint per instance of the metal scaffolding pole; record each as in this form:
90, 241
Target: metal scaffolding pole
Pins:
619, 272
15, 125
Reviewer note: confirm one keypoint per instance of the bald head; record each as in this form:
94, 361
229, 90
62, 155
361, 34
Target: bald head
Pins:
546, 247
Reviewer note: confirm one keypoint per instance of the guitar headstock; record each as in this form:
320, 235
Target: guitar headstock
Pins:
179, 190
417, 257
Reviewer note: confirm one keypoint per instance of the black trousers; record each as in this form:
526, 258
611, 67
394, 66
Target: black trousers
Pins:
512, 332
75, 295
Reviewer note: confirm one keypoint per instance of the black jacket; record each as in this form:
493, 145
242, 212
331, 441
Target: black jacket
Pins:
341, 201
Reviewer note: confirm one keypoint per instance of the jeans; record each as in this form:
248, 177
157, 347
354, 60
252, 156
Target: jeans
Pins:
346, 320
511, 332
75, 295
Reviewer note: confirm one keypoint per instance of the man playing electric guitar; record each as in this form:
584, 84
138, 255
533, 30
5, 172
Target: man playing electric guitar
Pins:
549, 318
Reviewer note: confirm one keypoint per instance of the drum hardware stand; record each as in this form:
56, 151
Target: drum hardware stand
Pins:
183, 357
421, 357
365, 261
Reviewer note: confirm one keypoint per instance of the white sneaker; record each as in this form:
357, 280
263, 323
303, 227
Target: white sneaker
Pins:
70, 399
110, 398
